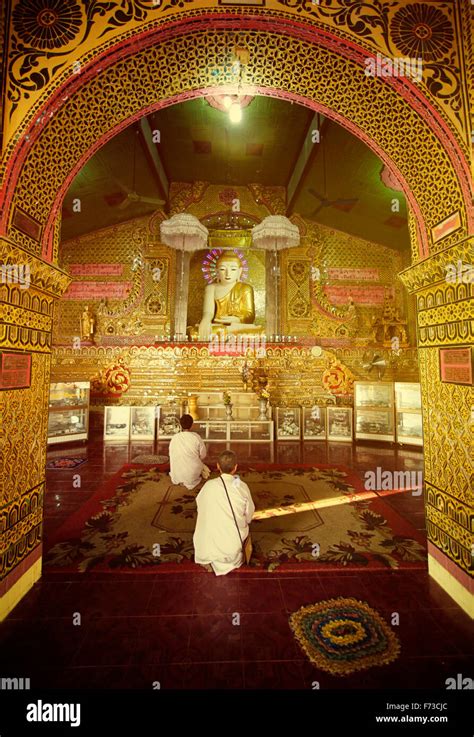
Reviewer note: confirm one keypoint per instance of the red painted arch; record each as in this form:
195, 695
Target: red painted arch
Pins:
347, 49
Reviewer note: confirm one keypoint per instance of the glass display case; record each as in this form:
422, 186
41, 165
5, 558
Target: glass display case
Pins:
288, 423
239, 431
168, 421
245, 407
339, 421
68, 412
314, 423
374, 411
142, 423
217, 431
409, 424
226, 431
261, 431
117, 423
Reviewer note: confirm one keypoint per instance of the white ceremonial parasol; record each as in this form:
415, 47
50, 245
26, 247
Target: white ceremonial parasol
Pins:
275, 233
184, 232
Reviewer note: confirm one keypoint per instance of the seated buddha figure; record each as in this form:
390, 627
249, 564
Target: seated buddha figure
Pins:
229, 307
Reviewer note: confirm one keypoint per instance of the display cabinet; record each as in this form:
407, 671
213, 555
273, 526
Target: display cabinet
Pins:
142, 423
117, 423
239, 431
339, 423
374, 411
409, 424
245, 407
288, 423
261, 431
217, 431
314, 423
226, 431
168, 421
68, 412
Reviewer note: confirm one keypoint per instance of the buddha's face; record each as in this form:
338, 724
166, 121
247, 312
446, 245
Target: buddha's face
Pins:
228, 271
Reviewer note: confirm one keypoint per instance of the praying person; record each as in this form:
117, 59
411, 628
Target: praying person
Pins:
217, 544
187, 451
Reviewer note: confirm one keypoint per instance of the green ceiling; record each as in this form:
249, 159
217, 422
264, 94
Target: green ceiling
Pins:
198, 141
273, 127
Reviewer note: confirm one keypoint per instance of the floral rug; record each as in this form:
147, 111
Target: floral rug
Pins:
150, 459
307, 518
342, 635
64, 463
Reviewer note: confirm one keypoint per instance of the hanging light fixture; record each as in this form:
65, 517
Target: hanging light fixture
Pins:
233, 102
235, 113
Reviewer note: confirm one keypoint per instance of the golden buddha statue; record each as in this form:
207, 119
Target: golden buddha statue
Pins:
229, 307
87, 324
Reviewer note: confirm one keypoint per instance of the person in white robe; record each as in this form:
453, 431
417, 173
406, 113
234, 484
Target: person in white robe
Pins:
187, 451
216, 540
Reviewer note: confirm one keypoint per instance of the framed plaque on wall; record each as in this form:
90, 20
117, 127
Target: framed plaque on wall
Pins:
15, 370
455, 365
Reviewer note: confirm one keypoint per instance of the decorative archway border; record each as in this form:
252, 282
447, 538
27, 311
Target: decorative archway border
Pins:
50, 225
318, 38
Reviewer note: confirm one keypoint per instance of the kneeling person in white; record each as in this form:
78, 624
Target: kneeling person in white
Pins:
186, 451
216, 539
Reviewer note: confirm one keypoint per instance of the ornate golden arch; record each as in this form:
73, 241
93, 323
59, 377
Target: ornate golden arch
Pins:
177, 61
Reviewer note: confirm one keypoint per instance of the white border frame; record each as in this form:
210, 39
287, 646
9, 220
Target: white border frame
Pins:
159, 413
277, 420
143, 436
110, 410
340, 438
307, 413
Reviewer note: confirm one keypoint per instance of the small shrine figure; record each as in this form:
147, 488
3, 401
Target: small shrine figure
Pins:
247, 374
351, 318
87, 324
389, 325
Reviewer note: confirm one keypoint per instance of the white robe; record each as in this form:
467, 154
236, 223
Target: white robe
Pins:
216, 540
186, 451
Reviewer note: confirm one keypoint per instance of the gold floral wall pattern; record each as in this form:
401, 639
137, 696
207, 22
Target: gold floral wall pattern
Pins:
80, 71
389, 28
55, 158
26, 318
48, 34
145, 264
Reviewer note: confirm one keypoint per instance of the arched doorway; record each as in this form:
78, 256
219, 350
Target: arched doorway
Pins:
159, 66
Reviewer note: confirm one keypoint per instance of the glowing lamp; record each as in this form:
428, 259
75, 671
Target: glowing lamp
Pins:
235, 113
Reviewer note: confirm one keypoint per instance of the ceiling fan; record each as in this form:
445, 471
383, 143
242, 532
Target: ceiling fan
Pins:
130, 193
325, 202
132, 196
372, 360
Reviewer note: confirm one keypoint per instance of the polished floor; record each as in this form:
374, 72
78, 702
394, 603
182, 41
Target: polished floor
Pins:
182, 630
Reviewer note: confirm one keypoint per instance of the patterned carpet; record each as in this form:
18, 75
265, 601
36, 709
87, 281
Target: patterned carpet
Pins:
65, 463
150, 459
307, 518
341, 636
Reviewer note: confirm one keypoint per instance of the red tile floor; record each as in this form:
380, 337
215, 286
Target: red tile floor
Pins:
180, 630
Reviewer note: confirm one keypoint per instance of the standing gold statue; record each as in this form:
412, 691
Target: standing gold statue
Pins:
87, 324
